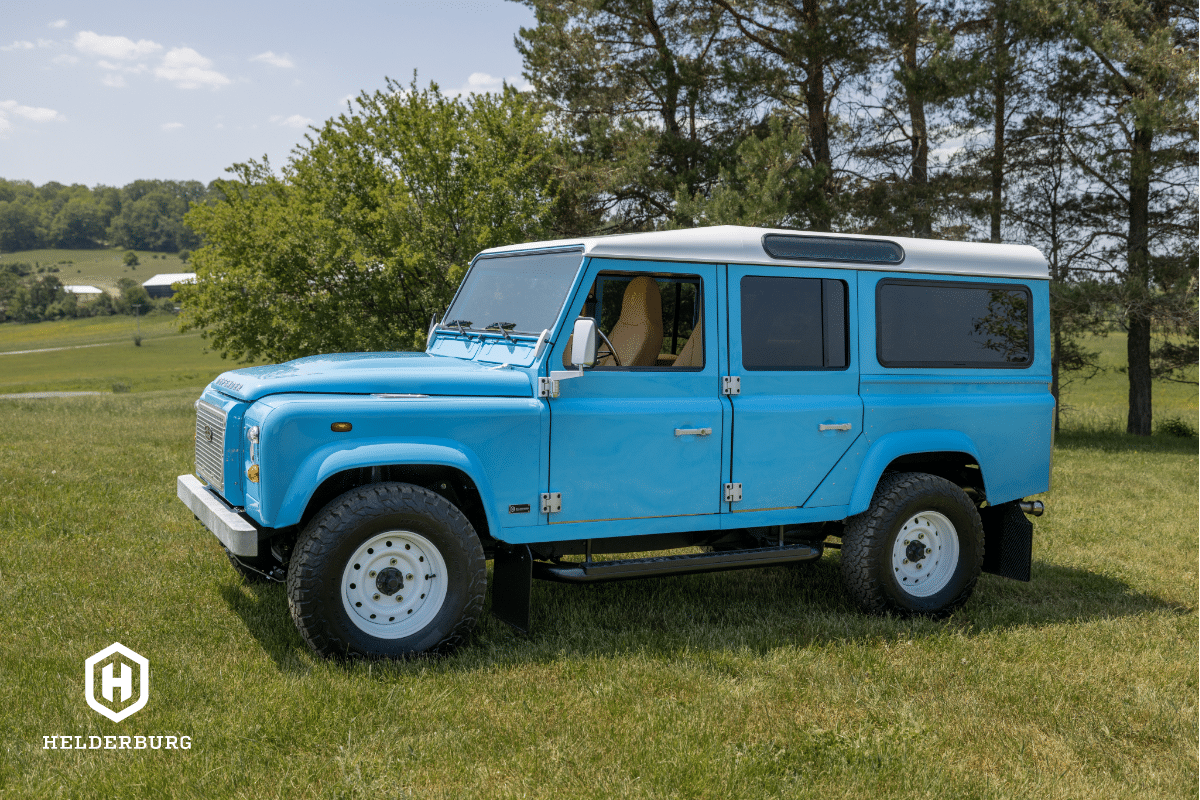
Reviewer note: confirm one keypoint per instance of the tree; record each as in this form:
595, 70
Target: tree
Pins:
354, 245
636, 86
800, 55
1141, 154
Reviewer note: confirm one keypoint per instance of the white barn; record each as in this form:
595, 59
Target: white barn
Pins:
160, 285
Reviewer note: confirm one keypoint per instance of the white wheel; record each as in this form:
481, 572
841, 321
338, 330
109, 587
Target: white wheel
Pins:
394, 584
925, 554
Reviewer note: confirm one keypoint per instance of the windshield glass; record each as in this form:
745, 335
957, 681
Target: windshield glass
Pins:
522, 293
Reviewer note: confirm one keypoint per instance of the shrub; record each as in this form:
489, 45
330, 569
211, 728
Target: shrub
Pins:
120, 388
1174, 426
131, 258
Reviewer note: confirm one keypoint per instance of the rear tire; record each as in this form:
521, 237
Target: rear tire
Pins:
388, 570
917, 550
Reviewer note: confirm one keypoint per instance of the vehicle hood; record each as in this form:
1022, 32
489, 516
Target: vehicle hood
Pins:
375, 373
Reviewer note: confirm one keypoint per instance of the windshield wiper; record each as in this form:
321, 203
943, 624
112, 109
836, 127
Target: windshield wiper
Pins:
461, 324
503, 327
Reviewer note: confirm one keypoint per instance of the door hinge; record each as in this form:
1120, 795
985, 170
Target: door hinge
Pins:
551, 502
733, 492
547, 387
731, 385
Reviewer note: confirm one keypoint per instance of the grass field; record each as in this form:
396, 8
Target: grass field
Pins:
101, 267
758, 684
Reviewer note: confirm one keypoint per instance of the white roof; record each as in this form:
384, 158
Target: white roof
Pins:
82, 290
168, 278
732, 244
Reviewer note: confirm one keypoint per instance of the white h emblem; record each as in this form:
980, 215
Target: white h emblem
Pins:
112, 679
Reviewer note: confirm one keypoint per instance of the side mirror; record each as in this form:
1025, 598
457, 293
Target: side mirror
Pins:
583, 343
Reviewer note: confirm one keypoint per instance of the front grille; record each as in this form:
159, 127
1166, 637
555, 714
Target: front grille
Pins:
210, 445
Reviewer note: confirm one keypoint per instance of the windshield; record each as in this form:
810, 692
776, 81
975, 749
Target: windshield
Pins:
521, 293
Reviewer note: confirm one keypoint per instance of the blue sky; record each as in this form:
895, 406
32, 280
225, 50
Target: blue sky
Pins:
106, 93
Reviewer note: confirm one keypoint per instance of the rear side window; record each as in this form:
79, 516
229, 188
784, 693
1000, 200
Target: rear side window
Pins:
793, 323
948, 324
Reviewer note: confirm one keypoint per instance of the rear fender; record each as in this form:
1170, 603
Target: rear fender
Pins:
891, 446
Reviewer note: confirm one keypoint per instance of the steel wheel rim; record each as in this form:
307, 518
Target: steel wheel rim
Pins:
937, 539
374, 603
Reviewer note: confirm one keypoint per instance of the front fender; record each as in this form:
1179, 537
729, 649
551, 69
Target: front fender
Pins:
891, 446
337, 457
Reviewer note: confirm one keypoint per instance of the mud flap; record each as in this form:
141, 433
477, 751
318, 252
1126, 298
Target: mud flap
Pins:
1007, 541
512, 580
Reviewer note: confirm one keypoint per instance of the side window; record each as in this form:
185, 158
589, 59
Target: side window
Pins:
948, 324
793, 323
652, 320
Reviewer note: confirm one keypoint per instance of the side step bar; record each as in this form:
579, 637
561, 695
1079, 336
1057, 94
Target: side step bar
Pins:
626, 569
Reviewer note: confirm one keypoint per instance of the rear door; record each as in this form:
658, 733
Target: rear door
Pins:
792, 339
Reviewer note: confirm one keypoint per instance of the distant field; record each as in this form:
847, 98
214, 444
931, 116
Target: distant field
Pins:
101, 268
166, 359
1101, 404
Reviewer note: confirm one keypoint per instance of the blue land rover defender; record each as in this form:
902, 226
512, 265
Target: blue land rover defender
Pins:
742, 396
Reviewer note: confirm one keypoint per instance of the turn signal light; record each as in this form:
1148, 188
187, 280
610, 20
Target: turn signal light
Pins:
340, 427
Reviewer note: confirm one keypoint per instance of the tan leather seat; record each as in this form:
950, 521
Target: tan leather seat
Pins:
638, 334
692, 354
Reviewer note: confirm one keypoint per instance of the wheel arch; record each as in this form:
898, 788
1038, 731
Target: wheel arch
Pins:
444, 468
945, 453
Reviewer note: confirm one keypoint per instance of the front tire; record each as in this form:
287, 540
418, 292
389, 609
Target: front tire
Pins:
388, 570
916, 550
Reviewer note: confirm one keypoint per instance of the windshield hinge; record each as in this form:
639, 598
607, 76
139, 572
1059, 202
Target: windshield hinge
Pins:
551, 502
731, 385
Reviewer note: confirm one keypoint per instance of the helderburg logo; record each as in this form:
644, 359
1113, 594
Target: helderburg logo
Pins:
117, 678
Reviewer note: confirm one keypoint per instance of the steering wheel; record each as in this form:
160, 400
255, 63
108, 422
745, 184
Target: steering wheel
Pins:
612, 351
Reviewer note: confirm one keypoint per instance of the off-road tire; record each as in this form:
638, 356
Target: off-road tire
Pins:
869, 562
322, 557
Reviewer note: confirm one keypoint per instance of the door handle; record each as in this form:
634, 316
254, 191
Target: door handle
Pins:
693, 431
842, 426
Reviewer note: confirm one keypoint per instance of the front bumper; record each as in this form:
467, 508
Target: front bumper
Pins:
237, 533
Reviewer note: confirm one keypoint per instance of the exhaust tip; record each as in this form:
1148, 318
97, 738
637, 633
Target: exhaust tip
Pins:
1033, 508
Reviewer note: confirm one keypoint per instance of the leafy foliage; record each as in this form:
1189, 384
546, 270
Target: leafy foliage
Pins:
363, 235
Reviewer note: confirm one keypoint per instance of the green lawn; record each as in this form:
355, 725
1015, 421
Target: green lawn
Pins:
763, 683
99, 267
1079, 684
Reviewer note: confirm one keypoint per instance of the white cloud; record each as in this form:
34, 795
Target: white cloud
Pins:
114, 81
58, 23
5, 125
65, 60
187, 69
30, 112
481, 83
171, 126
21, 45
294, 121
114, 46
269, 57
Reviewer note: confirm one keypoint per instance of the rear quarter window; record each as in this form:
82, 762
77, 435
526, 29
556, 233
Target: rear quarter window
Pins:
951, 324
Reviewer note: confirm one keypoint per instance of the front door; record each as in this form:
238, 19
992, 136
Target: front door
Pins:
792, 344
640, 435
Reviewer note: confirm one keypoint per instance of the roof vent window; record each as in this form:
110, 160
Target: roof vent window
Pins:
828, 248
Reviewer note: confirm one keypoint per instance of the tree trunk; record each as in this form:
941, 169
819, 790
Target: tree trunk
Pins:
922, 220
816, 100
1137, 283
1000, 91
